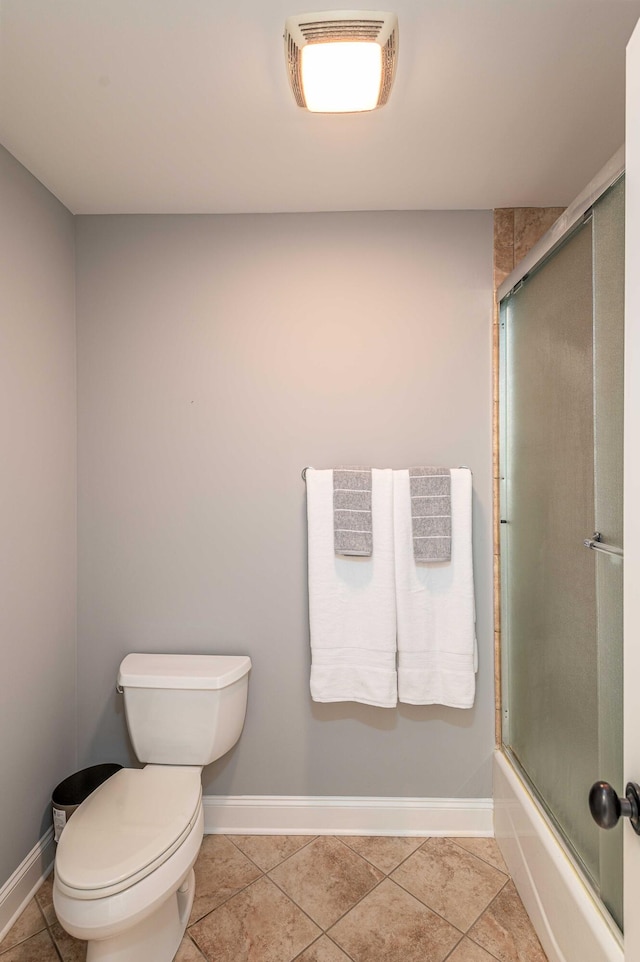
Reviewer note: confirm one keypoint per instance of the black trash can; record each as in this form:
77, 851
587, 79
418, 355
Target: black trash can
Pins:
73, 790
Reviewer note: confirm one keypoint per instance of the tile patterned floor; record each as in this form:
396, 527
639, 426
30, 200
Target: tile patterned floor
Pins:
329, 899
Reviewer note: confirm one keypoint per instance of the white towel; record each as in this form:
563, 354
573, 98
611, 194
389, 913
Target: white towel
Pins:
437, 650
352, 610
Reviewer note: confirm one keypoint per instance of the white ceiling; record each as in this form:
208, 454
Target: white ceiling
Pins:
184, 106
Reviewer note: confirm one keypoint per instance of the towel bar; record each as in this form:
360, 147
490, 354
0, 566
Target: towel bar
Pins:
304, 473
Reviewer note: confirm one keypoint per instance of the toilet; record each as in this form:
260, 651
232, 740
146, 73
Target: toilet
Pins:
124, 879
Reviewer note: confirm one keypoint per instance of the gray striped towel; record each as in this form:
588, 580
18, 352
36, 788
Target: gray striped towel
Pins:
431, 513
352, 528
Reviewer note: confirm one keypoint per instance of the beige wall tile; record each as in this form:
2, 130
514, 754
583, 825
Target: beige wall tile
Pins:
530, 223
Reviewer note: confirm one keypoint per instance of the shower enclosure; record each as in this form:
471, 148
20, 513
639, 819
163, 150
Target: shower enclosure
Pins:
561, 409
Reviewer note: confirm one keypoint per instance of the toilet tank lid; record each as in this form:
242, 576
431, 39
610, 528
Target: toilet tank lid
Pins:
204, 672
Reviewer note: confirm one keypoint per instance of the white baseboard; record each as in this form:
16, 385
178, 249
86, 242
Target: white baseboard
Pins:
18, 890
340, 815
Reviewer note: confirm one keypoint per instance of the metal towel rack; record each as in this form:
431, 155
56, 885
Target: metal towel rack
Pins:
597, 544
304, 474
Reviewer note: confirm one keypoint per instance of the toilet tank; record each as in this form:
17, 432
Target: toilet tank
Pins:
184, 709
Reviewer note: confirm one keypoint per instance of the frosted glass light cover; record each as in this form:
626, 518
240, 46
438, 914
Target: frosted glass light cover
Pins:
341, 61
341, 77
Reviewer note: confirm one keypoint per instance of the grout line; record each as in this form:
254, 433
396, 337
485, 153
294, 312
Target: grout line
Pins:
232, 895
325, 930
487, 906
455, 947
338, 946
430, 909
311, 839
480, 858
26, 938
401, 862
306, 948
195, 945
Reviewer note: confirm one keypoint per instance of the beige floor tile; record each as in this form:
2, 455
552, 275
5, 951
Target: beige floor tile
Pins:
26, 925
221, 871
267, 851
44, 898
389, 925
484, 848
385, 853
468, 951
449, 880
324, 950
38, 948
505, 931
188, 952
326, 879
71, 950
260, 924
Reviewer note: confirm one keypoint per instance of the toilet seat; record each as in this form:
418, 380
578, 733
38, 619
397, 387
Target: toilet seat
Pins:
126, 829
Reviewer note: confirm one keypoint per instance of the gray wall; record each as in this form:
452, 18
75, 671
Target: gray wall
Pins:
37, 507
218, 355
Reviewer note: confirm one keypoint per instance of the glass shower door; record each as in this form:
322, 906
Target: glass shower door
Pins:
561, 410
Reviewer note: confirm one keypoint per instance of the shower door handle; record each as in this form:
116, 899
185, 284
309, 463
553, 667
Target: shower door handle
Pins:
596, 542
606, 808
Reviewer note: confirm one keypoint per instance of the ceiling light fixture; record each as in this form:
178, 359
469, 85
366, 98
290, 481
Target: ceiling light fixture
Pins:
341, 61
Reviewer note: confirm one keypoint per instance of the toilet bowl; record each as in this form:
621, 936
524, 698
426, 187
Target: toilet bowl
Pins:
124, 879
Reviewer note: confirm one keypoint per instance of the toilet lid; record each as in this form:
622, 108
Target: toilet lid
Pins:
128, 826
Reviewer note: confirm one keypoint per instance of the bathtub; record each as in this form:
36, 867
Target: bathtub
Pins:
571, 924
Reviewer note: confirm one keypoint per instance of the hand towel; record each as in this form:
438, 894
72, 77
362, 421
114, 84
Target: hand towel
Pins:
352, 611
431, 513
437, 651
352, 527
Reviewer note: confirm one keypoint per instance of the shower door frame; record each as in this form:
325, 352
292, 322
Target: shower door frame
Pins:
566, 225
631, 486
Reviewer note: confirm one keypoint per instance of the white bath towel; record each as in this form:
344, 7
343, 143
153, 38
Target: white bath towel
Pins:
437, 650
352, 611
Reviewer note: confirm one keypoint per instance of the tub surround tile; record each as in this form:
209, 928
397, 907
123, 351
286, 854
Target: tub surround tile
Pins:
37, 948
267, 851
27, 924
390, 925
502, 265
451, 881
503, 221
324, 950
260, 924
326, 879
221, 871
486, 849
529, 225
384, 852
505, 931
